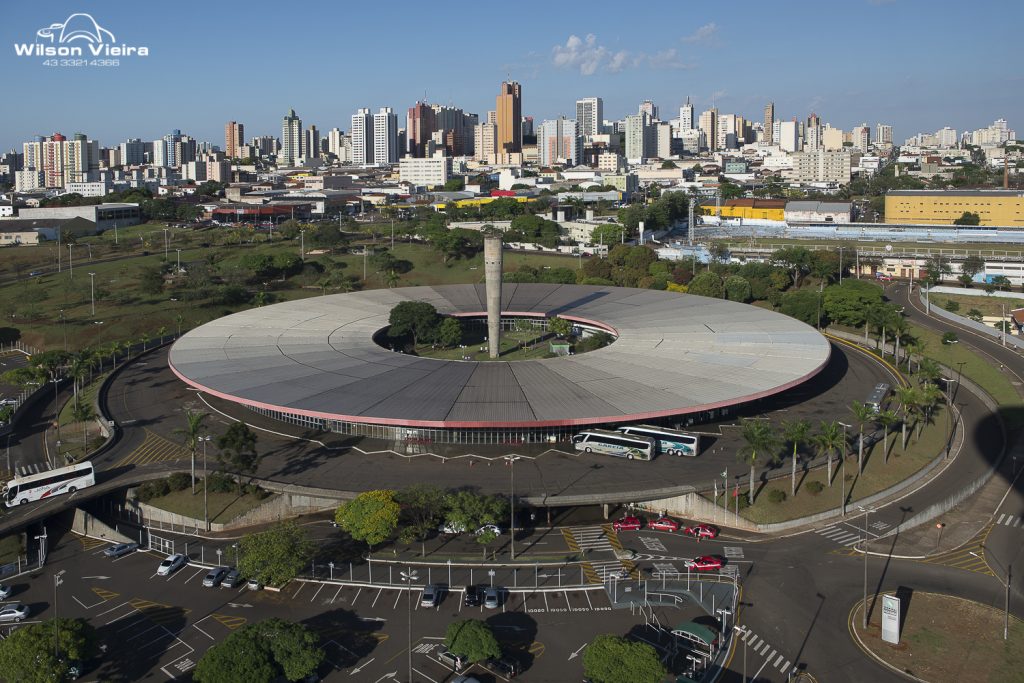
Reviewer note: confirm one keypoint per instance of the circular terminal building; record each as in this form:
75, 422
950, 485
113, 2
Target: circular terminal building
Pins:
675, 358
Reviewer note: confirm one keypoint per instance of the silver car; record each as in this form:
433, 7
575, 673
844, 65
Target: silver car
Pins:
215, 576
171, 564
13, 612
5, 591
120, 549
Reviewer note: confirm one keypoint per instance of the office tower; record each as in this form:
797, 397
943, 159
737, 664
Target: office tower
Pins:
727, 131
171, 150
133, 152
420, 125
558, 142
508, 108
647, 107
528, 131
686, 116
662, 139
708, 125
883, 135
361, 133
335, 141
453, 129
385, 137
266, 144
769, 123
589, 115
789, 136
861, 137
234, 137
311, 142
640, 142
485, 141
291, 139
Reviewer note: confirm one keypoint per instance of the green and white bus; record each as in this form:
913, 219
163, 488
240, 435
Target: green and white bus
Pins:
670, 441
615, 443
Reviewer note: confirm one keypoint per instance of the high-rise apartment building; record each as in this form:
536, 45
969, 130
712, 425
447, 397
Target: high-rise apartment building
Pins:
789, 136
133, 152
361, 133
291, 139
769, 123
708, 125
590, 115
727, 138
385, 136
558, 142
648, 107
311, 143
509, 117
335, 142
946, 137
62, 161
266, 144
883, 135
640, 143
686, 116
861, 137
485, 141
234, 137
662, 139
419, 126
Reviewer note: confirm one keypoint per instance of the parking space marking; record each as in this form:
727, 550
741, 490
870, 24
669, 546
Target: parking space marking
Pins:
317, 592
374, 603
301, 586
424, 675
196, 627
397, 598
336, 594
356, 596
200, 571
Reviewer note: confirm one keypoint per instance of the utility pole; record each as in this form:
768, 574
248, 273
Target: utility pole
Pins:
408, 576
56, 621
302, 244
512, 506
206, 484
843, 473
71, 263
165, 244
92, 292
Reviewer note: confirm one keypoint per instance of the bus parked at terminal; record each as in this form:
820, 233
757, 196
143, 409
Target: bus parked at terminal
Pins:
669, 441
878, 396
615, 443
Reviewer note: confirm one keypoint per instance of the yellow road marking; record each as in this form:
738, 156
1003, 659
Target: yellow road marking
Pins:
228, 620
104, 593
536, 648
89, 543
154, 448
570, 540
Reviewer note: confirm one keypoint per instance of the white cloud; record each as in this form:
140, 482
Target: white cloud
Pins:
703, 34
590, 56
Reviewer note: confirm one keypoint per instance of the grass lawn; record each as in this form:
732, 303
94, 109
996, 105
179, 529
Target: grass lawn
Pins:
988, 305
73, 436
978, 368
11, 548
223, 507
946, 639
876, 477
514, 346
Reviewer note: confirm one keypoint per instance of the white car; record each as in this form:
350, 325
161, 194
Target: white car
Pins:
5, 591
489, 529
451, 528
172, 564
13, 612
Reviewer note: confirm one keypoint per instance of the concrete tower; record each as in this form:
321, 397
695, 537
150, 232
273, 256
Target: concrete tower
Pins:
492, 280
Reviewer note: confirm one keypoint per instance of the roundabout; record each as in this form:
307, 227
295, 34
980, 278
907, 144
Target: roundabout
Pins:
676, 358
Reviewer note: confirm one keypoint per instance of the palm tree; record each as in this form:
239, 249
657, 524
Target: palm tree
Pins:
392, 278
862, 414
928, 370
79, 368
886, 418
178, 319
899, 328
760, 436
908, 398
190, 437
827, 441
161, 332
931, 396
797, 433
144, 339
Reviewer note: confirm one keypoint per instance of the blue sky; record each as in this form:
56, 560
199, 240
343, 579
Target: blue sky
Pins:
917, 64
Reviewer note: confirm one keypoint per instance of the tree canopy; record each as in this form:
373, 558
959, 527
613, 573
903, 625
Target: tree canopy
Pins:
613, 659
237, 450
27, 654
470, 510
275, 556
417, 319
708, 283
261, 652
371, 517
848, 303
473, 639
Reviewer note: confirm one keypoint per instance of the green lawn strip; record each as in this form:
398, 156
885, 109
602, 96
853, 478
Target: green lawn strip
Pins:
73, 441
11, 548
979, 369
877, 476
946, 639
476, 348
987, 305
223, 507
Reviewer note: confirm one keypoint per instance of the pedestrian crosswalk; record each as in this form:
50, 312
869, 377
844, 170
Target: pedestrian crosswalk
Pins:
754, 643
34, 468
1014, 521
589, 538
841, 535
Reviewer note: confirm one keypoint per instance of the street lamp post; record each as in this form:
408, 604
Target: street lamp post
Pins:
302, 245
1006, 600
206, 483
842, 474
71, 263
57, 581
92, 292
179, 260
512, 505
867, 511
165, 244
408, 577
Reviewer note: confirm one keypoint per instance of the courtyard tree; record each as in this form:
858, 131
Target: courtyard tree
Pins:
473, 639
449, 332
422, 508
417, 319
275, 556
371, 517
560, 327
237, 451
470, 510
614, 659
269, 650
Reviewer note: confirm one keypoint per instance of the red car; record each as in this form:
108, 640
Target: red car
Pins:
627, 524
701, 531
705, 563
664, 524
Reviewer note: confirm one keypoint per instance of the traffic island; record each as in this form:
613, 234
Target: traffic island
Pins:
944, 639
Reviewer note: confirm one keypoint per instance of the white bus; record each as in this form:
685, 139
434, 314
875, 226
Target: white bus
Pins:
670, 441
21, 490
615, 443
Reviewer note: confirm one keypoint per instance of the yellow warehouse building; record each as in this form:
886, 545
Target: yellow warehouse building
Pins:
1003, 208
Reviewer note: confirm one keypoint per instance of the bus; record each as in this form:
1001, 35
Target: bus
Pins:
615, 443
878, 396
33, 487
670, 441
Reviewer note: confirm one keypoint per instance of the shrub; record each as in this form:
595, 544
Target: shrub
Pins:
179, 481
776, 496
952, 306
220, 483
152, 489
814, 487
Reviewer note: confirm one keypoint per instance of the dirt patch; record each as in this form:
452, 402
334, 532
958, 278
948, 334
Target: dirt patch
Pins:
947, 639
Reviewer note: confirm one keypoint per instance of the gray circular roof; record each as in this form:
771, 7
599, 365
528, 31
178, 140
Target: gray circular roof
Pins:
675, 354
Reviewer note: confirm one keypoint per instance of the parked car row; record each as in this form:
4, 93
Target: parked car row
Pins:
454, 528
633, 523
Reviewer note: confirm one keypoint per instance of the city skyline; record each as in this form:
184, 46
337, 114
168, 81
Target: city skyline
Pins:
710, 56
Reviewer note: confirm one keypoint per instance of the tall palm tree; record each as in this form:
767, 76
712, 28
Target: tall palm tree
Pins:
928, 370
79, 367
827, 441
931, 396
862, 414
760, 437
886, 418
161, 331
899, 328
178, 320
908, 398
797, 433
190, 437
